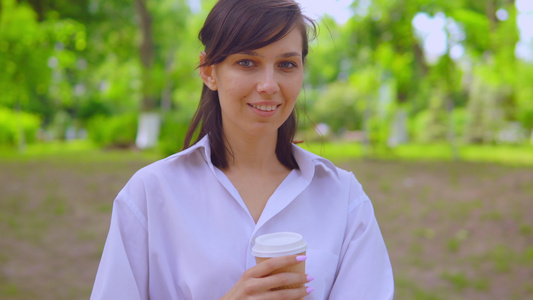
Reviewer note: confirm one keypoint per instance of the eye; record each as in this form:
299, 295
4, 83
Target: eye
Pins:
287, 65
246, 63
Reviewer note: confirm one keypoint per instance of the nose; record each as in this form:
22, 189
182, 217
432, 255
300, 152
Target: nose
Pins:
268, 83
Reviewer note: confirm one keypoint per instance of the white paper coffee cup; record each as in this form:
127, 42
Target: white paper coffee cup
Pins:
281, 244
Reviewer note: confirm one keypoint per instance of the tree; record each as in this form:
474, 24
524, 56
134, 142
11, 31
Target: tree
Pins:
38, 81
157, 65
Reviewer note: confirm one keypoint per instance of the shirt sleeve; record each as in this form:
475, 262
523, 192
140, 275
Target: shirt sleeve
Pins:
365, 271
123, 269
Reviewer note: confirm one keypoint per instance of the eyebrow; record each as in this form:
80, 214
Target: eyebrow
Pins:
284, 55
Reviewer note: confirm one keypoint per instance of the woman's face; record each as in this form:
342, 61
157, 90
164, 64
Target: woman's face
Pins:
258, 89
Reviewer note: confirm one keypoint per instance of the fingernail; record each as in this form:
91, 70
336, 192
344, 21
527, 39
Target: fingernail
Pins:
309, 289
310, 278
301, 257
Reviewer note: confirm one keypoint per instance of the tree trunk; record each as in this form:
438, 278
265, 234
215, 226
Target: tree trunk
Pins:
20, 128
420, 58
147, 56
149, 120
166, 95
490, 11
38, 6
452, 139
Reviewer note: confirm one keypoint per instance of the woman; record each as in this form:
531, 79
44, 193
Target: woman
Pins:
183, 227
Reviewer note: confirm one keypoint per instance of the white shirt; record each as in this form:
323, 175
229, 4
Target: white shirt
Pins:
180, 230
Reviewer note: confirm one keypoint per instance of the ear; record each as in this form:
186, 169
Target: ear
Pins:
207, 74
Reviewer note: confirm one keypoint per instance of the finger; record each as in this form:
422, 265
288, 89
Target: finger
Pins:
288, 294
268, 266
286, 279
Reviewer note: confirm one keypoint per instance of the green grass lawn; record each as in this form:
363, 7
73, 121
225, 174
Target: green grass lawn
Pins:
335, 151
506, 154
454, 229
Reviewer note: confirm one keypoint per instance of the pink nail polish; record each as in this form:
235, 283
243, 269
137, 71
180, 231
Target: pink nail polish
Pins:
301, 258
310, 278
309, 290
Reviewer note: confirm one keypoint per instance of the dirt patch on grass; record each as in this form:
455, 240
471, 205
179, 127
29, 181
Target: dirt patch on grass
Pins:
54, 216
453, 230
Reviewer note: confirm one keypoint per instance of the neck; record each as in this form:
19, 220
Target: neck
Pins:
253, 153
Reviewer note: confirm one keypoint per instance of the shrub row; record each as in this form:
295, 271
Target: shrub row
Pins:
18, 127
119, 131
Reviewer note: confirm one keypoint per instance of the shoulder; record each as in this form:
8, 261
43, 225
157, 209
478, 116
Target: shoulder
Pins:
165, 178
186, 160
182, 168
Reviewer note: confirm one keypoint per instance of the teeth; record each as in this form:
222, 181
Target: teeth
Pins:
265, 107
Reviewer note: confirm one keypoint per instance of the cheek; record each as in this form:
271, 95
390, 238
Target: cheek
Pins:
235, 88
227, 93
231, 96
293, 89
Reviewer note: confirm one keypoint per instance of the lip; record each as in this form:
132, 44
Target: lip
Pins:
263, 113
272, 103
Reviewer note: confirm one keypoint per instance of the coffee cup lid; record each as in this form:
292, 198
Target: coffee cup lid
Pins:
279, 244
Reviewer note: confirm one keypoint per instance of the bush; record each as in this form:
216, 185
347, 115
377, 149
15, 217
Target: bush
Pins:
459, 120
10, 124
115, 131
173, 130
59, 125
340, 106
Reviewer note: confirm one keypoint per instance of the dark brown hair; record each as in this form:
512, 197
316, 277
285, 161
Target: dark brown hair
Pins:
235, 26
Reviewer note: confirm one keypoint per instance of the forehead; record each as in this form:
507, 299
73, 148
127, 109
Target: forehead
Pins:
289, 45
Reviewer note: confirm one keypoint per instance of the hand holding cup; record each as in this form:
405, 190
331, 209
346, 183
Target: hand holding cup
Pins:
280, 270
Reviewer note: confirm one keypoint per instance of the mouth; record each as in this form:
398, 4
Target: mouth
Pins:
264, 107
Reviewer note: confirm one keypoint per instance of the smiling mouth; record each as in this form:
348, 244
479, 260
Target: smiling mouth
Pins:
265, 107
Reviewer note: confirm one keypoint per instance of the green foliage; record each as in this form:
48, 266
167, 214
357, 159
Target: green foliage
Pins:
59, 125
340, 106
92, 108
23, 68
173, 132
431, 125
328, 58
35, 80
459, 118
397, 65
357, 75
17, 127
114, 131
524, 97
485, 113
476, 25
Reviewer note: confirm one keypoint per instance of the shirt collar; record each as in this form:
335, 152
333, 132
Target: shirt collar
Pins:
203, 146
306, 160
309, 162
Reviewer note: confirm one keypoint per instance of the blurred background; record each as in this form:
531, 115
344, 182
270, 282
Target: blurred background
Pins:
428, 102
